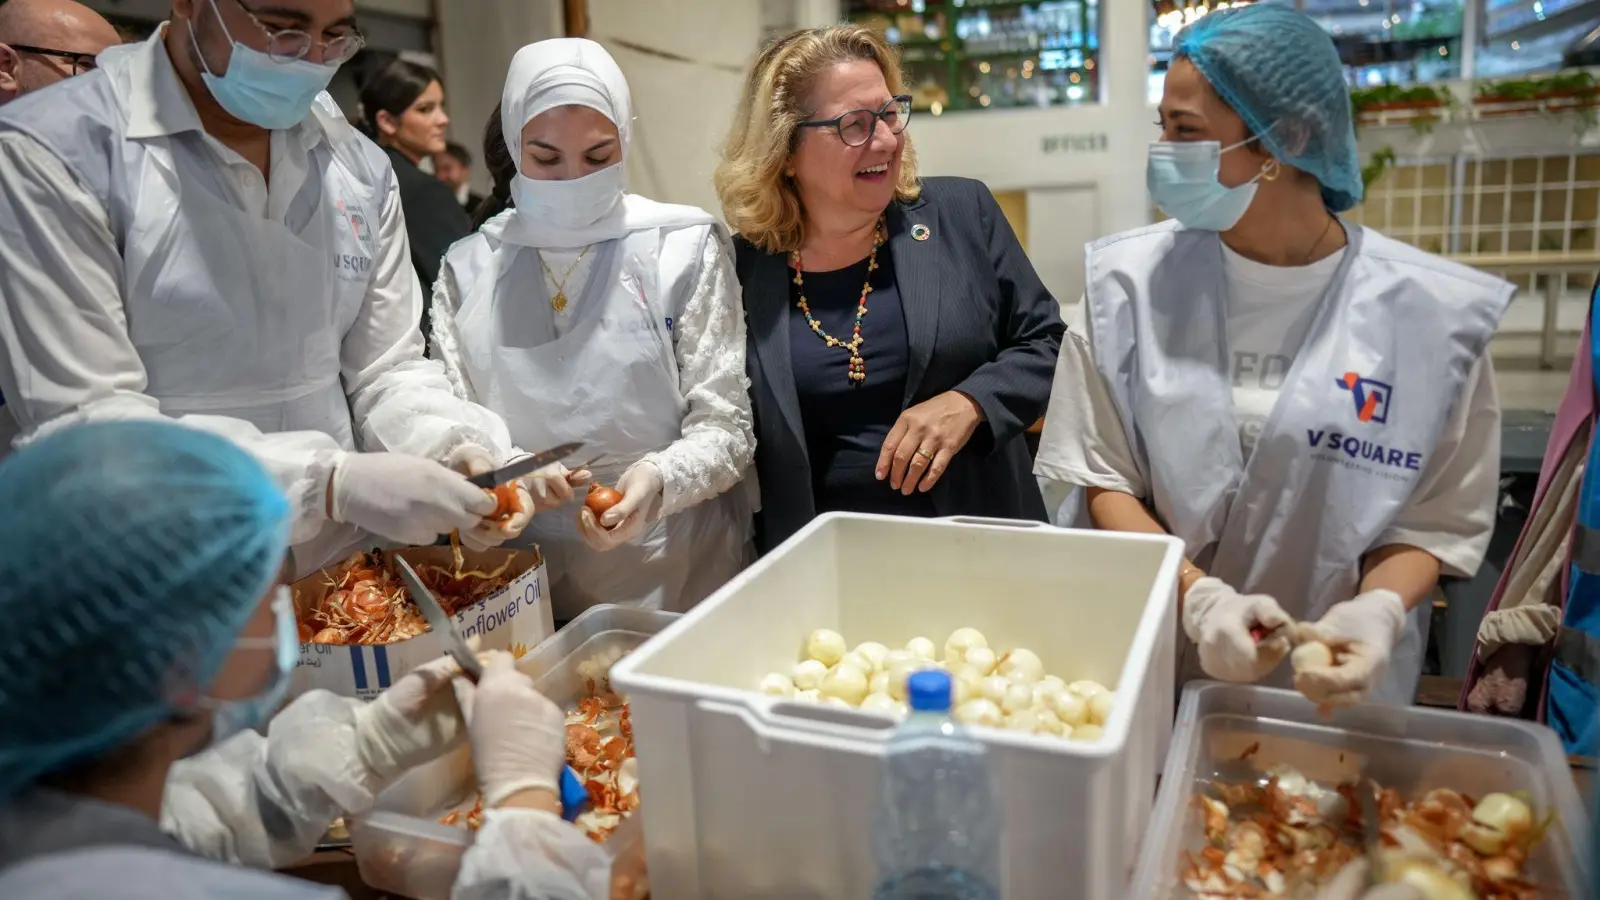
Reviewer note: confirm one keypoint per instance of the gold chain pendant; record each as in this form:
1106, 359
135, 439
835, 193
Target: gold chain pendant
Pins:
559, 301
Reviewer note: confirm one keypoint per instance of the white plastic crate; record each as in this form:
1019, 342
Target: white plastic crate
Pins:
750, 796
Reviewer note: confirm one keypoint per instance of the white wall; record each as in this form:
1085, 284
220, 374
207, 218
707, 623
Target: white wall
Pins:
681, 108
476, 41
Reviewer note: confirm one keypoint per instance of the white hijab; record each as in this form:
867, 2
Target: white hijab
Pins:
576, 213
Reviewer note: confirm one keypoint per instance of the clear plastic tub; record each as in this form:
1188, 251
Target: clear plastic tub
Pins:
400, 845
1410, 749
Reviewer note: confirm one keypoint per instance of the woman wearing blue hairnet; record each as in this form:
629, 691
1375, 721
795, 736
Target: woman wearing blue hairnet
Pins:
146, 632
1306, 403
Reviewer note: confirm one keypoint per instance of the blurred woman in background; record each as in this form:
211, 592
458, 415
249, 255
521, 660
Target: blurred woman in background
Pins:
587, 313
1308, 405
918, 409
402, 108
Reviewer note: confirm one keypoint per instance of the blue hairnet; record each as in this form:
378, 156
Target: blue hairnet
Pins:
131, 556
1281, 73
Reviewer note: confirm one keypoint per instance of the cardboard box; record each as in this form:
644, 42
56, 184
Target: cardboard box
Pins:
515, 618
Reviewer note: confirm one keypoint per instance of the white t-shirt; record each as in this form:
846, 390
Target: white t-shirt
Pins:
1270, 308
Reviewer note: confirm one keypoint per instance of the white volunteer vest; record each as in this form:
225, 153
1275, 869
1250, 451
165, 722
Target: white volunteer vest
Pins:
232, 315
1383, 365
610, 381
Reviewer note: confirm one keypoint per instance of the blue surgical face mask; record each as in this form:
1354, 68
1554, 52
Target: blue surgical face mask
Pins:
1182, 178
259, 89
229, 717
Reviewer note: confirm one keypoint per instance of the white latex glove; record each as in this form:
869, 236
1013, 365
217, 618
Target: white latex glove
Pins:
1351, 884
407, 499
416, 720
641, 488
469, 460
1218, 619
1362, 634
552, 487
519, 738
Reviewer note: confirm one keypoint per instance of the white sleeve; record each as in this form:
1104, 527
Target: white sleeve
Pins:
400, 400
265, 801
718, 440
67, 355
1084, 443
1451, 512
528, 854
445, 342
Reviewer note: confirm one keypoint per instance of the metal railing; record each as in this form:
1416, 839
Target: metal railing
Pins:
1554, 270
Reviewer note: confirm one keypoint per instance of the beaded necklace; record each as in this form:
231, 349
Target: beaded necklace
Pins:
858, 367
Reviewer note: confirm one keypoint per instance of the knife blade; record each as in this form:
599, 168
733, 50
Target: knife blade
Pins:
1371, 828
525, 465
440, 621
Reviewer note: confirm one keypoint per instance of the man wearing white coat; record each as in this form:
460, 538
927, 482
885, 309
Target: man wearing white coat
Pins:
195, 231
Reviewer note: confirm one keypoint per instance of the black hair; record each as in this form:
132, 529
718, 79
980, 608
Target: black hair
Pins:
392, 89
461, 154
502, 168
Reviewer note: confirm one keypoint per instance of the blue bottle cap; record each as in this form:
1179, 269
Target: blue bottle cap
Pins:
929, 690
573, 797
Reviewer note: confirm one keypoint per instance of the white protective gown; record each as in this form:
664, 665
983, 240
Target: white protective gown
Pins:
263, 802
148, 270
644, 362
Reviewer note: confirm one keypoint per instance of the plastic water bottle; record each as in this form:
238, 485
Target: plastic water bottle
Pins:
937, 834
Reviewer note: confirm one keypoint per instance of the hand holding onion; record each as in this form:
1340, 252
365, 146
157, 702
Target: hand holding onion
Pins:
613, 517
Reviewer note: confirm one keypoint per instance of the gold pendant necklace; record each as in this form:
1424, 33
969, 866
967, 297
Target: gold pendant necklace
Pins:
558, 302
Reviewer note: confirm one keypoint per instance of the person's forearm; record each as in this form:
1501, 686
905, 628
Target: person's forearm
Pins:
1119, 511
1409, 571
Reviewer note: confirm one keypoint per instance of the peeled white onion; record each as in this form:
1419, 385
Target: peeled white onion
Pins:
1087, 733
808, 675
874, 653
1311, 655
825, 646
837, 702
1022, 665
809, 696
1048, 722
982, 659
993, 688
1022, 720
878, 683
857, 661
1100, 707
959, 642
1018, 697
897, 658
777, 684
847, 683
965, 686
1051, 683
1070, 709
1086, 689
979, 712
882, 704
920, 647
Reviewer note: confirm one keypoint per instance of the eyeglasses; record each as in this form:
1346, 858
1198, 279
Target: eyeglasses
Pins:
81, 62
856, 126
285, 45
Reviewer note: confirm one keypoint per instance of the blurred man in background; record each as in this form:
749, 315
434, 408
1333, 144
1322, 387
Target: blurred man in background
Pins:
454, 167
46, 41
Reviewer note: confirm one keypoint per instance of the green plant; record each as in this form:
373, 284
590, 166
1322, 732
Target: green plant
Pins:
1417, 96
1577, 84
1376, 166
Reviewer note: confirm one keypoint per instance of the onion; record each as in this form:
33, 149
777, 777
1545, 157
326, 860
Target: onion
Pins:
776, 684
825, 646
960, 641
979, 712
982, 659
920, 647
1022, 665
847, 683
808, 675
601, 498
875, 653
1311, 655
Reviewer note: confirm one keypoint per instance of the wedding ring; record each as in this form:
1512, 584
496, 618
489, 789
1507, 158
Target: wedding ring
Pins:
924, 453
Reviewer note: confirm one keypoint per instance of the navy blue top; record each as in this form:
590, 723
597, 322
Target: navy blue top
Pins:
846, 421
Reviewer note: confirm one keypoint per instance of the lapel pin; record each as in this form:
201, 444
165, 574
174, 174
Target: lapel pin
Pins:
920, 233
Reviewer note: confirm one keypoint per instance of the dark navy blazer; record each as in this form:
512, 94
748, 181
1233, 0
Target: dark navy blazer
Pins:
978, 321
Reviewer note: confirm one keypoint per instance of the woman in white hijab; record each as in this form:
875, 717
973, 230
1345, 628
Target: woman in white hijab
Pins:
590, 314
